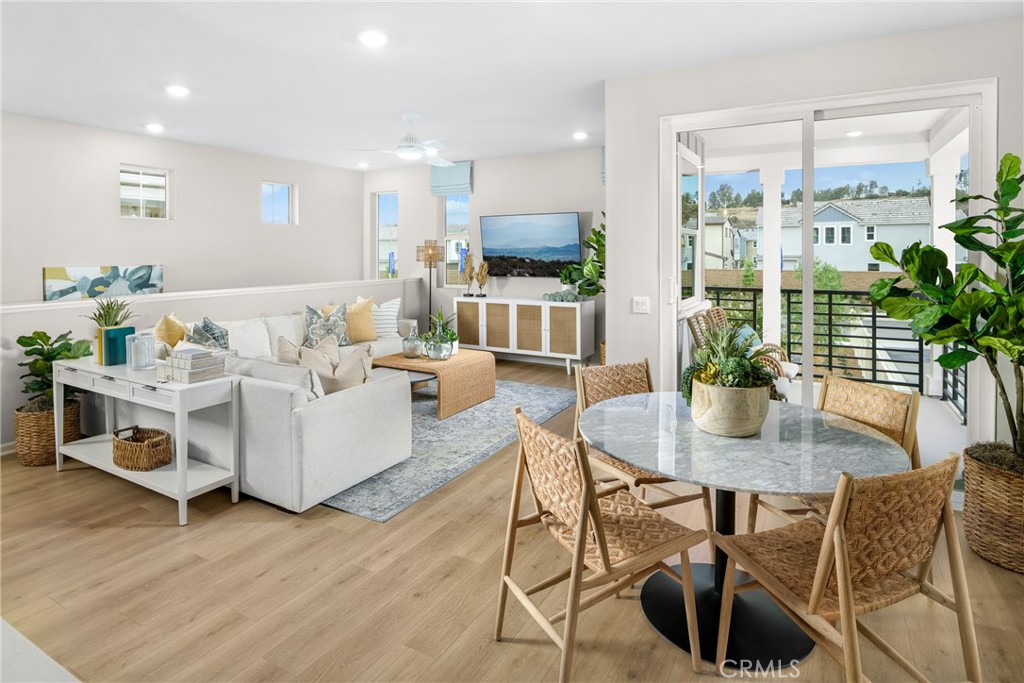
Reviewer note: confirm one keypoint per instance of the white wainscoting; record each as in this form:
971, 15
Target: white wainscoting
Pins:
56, 317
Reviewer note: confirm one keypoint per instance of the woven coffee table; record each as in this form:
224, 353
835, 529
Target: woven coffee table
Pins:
463, 381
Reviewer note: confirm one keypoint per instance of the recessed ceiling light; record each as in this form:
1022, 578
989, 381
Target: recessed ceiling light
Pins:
155, 127
373, 38
854, 133
177, 91
579, 135
363, 164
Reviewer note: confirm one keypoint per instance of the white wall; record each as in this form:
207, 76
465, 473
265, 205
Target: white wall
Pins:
537, 183
61, 207
634, 105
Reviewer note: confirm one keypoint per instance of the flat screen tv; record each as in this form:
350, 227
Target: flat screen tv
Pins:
530, 245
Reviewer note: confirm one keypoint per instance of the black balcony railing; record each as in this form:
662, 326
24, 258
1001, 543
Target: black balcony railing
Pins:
852, 337
954, 390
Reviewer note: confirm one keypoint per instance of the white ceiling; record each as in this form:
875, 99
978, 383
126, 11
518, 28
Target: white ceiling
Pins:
495, 79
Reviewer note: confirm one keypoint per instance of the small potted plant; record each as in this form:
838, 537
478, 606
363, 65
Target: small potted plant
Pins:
111, 314
976, 315
442, 341
727, 389
34, 421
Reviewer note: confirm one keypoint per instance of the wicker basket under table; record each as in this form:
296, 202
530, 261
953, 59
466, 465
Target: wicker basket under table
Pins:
143, 450
34, 433
463, 381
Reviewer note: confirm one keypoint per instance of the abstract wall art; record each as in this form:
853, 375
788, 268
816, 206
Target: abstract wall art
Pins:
88, 282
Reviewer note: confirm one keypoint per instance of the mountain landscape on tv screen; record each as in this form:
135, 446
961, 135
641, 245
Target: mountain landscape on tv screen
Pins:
530, 248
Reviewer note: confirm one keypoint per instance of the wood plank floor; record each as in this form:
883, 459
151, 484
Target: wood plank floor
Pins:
97, 572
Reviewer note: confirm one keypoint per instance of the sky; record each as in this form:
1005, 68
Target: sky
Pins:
895, 176
554, 229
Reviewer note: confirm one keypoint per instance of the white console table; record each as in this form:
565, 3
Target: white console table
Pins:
531, 327
183, 478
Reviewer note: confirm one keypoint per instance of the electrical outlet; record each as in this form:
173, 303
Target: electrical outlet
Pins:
641, 304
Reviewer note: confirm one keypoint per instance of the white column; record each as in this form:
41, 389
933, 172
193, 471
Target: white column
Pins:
771, 242
943, 168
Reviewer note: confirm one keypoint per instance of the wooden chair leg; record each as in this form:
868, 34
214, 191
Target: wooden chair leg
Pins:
510, 544
709, 518
725, 617
964, 615
752, 513
690, 601
572, 608
847, 613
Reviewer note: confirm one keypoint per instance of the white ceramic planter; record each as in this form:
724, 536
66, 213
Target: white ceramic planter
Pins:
728, 411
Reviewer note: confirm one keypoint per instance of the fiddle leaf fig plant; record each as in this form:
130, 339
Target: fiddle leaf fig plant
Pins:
981, 315
41, 351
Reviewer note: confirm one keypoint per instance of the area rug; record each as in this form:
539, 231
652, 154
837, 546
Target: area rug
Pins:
444, 449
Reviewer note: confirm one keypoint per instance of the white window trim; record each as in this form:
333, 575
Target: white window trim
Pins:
841, 242
168, 184
816, 234
874, 233
293, 202
825, 236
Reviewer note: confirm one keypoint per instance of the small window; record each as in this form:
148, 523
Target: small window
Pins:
143, 192
278, 204
846, 234
869, 233
873, 267
817, 235
830, 234
456, 214
387, 234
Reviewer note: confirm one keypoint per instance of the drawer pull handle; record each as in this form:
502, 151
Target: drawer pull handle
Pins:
108, 378
146, 386
70, 369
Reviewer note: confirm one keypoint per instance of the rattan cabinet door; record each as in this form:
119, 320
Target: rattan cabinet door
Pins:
563, 337
468, 322
498, 326
529, 328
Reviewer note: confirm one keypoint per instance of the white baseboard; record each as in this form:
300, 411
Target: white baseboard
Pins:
6, 449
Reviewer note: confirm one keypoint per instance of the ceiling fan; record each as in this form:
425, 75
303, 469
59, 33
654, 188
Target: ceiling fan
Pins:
411, 148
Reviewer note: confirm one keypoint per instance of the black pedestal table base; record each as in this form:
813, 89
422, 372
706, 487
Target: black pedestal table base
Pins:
760, 632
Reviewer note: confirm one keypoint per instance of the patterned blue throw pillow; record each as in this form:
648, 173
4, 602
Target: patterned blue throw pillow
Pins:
215, 331
319, 326
201, 337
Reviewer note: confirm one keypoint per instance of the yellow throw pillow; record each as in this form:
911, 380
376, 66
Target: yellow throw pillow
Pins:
170, 330
360, 322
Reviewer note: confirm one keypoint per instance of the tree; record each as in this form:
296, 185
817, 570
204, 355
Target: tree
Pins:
737, 199
872, 187
861, 189
962, 183
688, 207
754, 198
826, 276
796, 195
749, 278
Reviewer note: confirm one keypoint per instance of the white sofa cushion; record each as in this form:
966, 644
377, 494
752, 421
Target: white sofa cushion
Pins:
291, 327
248, 337
292, 375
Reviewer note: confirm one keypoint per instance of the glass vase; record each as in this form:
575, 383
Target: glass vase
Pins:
439, 349
412, 347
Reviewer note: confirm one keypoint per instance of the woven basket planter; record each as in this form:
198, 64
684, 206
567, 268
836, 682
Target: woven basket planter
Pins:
143, 449
994, 513
34, 436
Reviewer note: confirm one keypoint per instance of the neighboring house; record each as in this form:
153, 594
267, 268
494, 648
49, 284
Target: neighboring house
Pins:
845, 229
719, 250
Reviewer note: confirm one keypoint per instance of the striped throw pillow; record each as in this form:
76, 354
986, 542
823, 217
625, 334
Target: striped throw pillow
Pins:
385, 317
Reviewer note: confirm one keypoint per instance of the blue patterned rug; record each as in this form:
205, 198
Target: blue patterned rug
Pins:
442, 450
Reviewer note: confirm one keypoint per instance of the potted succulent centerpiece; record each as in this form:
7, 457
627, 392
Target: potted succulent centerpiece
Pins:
976, 315
34, 421
727, 390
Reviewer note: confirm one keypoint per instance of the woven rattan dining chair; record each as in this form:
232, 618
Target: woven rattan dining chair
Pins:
611, 533
601, 382
894, 413
859, 561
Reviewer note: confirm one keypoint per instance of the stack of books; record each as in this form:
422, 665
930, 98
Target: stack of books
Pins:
192, 365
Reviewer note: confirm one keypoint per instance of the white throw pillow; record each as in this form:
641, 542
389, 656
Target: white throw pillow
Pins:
290, 353
353, 370
385, 317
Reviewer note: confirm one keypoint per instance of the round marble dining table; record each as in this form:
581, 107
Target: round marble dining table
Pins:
798, 451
